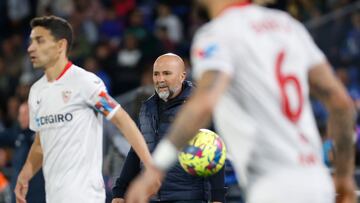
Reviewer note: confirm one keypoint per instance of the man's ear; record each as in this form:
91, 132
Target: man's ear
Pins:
183, 75
62, 44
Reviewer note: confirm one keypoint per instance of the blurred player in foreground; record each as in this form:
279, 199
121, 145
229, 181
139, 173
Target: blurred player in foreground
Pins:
256, 68
66, 110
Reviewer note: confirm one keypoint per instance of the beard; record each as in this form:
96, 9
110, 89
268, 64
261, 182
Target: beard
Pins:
167, 94
164, 95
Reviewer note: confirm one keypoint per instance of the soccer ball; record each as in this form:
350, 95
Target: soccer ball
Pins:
204, 155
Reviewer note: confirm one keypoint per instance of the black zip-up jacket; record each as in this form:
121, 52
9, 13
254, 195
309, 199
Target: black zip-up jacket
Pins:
155, 118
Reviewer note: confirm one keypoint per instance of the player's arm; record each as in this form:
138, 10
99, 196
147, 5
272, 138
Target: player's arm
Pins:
197, 112
127, 126
325, 87
95, 94
32, 165
328, 89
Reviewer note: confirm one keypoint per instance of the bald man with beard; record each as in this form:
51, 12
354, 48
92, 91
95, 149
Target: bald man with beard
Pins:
156, 115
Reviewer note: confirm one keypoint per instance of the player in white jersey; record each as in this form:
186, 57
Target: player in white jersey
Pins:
255, 68
66, 109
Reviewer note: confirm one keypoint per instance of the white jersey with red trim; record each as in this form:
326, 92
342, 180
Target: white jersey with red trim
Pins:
265, 115
67, 114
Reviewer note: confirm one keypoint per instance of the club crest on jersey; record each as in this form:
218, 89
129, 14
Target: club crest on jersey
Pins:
206, 52
66, 94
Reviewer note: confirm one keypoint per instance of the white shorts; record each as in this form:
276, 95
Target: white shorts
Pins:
302, 186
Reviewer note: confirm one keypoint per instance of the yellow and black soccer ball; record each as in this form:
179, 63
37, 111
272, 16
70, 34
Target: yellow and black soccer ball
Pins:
204, 155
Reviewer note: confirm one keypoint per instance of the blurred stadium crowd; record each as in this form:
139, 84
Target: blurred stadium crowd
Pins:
119, 40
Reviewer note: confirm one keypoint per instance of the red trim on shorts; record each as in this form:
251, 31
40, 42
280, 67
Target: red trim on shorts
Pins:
236, 5
68, 65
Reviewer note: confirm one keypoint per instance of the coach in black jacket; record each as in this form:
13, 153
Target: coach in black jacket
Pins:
156, 116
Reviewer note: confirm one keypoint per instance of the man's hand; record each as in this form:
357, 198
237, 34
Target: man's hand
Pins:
144, 186
345, 190
118, 200
21, 189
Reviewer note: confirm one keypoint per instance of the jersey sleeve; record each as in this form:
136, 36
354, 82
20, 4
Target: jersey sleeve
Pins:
314, 54
96, 96
210, 52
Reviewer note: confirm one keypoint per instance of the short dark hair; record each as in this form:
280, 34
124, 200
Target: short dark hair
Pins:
58, 27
